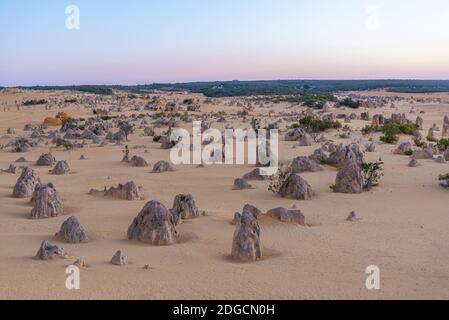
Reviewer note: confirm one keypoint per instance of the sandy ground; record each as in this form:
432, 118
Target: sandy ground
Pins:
403, 228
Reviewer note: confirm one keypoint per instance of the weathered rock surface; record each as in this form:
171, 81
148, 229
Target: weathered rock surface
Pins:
246, 241
413, 163
137, 161
46, 203
46, 160
118, 259
349, 178
184, 207
403, 148
242, 184
72, 232
129, 191
339, 156
304, 164
61, 168
154, 225
253, 210
286, 215
296, 188
48, 251
255, 174
237, 218
26, 184
163, 166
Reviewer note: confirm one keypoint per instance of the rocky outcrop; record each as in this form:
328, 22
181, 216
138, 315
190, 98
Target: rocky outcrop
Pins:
413, 163
61, 168
419, 123
295, 187
255, 175
256, 213
118, 259
129, 191
288, 216
137, 161
154, 225
339, 156
184, 207
26, 184
246, 241
349, 178
403, 148
46, 160
242, 184
299, 135
48, 251
163, 166
72, 232
304, 164
46, 203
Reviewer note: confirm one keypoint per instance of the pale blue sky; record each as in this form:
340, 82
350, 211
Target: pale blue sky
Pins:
145, 41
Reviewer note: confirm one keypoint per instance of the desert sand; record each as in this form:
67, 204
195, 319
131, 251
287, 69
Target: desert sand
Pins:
403, 226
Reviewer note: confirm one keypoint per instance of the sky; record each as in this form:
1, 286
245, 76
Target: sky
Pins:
147, 41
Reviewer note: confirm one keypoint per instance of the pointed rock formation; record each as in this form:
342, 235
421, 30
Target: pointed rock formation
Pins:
46, 160
47, 203
80, 263
246, 242
72, 232
154, 225
26, 184
419, 123
349, 178
184, 207
118, 259
61, 168
295, 187
352, 217
237, 219
139, 162
253, 210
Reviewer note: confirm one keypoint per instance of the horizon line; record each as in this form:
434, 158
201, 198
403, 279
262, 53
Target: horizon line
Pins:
217, 81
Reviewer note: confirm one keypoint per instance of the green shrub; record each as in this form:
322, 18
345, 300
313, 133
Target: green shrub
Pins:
391, 129
371, 129
407, 128
372, 172
314, 125
353, 104
390, 139
34, 102
279, 178
419, 143
443, 144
